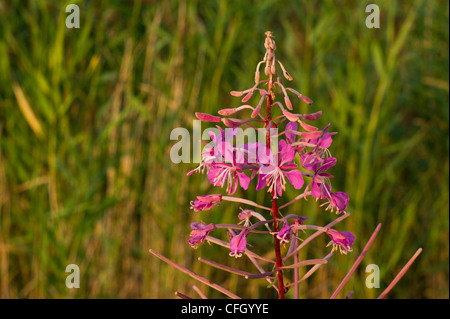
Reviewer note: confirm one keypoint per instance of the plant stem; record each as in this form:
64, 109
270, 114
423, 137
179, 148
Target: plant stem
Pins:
269, 125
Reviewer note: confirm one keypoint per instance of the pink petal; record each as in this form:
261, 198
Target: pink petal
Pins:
262, 182
244, 180
295, 178
287, 152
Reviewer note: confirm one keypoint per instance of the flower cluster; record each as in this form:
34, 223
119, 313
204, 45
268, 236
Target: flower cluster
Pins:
292, 153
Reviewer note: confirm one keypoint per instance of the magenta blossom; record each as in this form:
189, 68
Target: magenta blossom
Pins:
205, 202
227, 166
218, 150
338, 201
220, 174
199, 233
299, 221
274, 175
342, 240
284, 235
238, 244
319, 189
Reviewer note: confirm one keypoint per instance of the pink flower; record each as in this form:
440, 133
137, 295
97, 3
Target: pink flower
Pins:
231, 174
205, 202
338, 201
284, 235
299, 221
342, 240
274, 175
319, 189
199, 233
238, 244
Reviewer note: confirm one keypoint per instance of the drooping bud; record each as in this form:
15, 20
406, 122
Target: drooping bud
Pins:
232, 122
311, 135
272, 68
237, 93
305, 99
247, 96
207, 117
287, 102
256, 76
226, 112
258, 107
291, 117
308, 128
312, 116
287, 75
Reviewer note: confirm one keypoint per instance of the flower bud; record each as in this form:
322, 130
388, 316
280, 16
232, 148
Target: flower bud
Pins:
231, 122
291, 117
236, 93
256, 110
272, 68
226, 112
305, 99
247, 97
308, 128
287, 102
207, 117
287, 76
256, 76
312, 116
311, 135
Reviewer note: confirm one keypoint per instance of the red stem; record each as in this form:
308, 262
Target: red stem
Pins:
274, 200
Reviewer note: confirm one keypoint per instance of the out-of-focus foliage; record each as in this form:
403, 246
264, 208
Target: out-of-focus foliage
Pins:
86, 115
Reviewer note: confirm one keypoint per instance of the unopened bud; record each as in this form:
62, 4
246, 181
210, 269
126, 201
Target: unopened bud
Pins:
287, 76
236, 93
305, 99
287, 102
308, 127
256, 76
256, 110
312, 116
291, 117
227, 112
247, 96
311, 135
207, 117
231, 122
272, 68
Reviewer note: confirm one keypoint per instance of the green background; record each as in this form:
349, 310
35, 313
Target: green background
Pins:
86, 115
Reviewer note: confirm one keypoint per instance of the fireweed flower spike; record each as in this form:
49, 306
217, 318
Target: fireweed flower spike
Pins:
269, 164
341, 240
254, 161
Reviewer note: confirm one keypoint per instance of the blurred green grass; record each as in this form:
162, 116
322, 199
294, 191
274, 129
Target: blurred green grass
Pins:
85, 174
